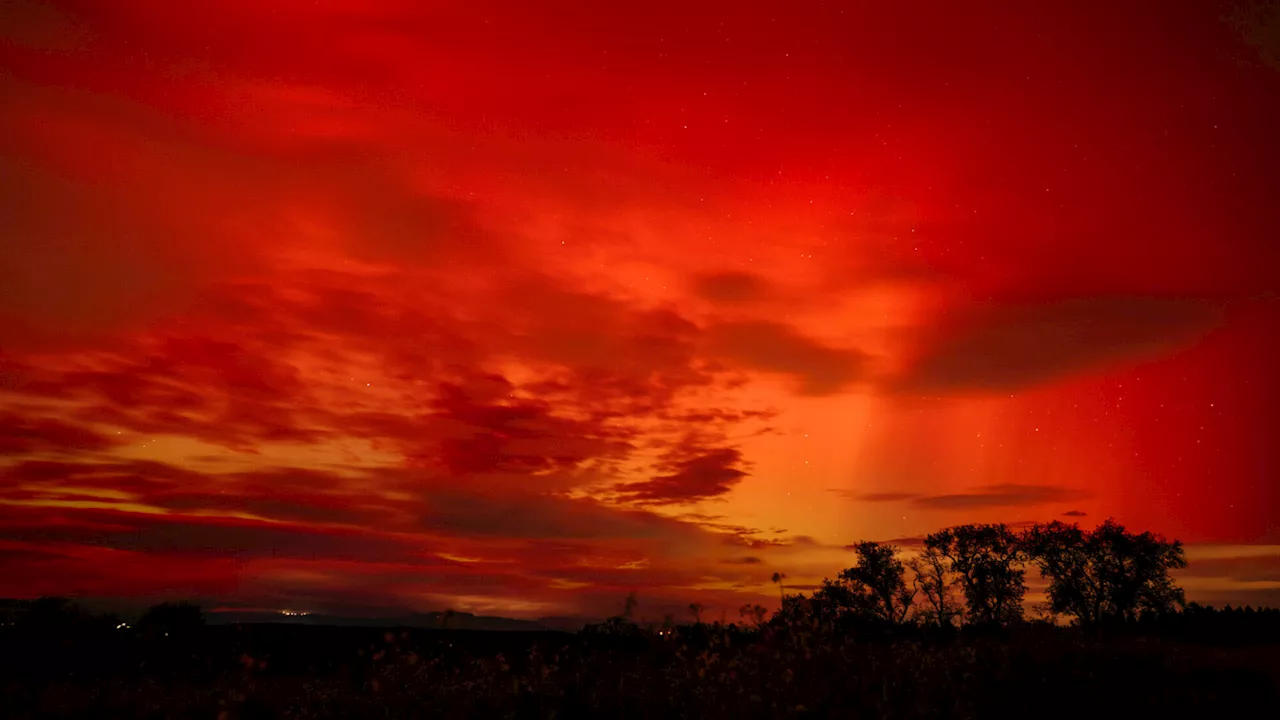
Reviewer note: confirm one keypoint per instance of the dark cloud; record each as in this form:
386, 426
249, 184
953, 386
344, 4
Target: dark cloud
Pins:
12, 372
22, 434
731, 533
775, 347
1244, 568
135, 478
310, 548
1008, 347
909, 543
605, 362
532, 516
11, 556
515, 436
731, 287
1005, 495
88, 571
747, 560
986, 496
704, 476
246, 539
231, 393
874, 497
1238, 597
1074, 514
716, 415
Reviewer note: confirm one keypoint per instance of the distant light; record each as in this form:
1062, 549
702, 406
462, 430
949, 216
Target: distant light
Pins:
122, 626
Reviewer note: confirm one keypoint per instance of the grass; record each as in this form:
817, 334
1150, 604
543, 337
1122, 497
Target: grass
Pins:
707, 671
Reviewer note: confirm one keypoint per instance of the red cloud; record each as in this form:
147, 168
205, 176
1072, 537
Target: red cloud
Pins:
23, 434
1009, 347
697, 475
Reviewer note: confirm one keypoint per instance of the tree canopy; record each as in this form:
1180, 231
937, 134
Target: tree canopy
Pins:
1107, 574
988, 562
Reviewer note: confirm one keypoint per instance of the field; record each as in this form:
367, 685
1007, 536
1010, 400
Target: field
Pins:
268, 671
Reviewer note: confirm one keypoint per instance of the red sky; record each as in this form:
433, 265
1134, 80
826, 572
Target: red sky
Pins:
515, 308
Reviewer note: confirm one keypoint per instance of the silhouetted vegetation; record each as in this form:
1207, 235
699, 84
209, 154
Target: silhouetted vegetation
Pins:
1106, 574
987, 560
934, 637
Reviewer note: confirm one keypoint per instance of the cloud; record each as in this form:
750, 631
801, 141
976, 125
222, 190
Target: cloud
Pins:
1011, 347
1005, 495
985, 496
285, 536
227, 392
22, 434
731, 287
1243, 568
1074, 514
907, 543
529, 516
774, 347
874, 497
700, 475
516, 436
276, 367
90, 571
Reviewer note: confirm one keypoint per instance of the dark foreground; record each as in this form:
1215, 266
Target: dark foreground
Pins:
267, 671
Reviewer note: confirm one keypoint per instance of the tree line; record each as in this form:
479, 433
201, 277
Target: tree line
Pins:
968, 575
976, 575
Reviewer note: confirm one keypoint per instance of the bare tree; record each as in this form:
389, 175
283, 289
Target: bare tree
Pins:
696, 609
938, 584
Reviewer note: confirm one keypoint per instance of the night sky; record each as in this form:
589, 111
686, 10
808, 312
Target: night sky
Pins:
365, 306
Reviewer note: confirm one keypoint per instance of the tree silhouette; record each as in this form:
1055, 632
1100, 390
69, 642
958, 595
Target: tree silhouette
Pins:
754, 612
696, 609
799, 609
54, 614
782, 590
180, 619
937, 583
629, 605
987, 560
874, 588
1106, 574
